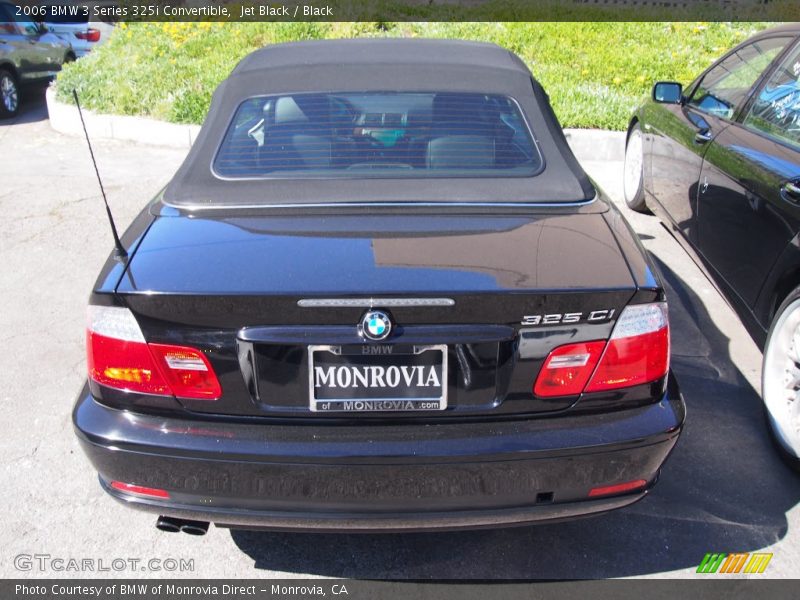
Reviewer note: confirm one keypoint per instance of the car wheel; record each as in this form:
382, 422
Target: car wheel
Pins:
9, 94
633, 179
780, 379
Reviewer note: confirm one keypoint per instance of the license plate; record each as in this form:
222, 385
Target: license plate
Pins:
377, 378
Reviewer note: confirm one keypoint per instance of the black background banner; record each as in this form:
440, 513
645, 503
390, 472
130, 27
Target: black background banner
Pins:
709, 587
430, 10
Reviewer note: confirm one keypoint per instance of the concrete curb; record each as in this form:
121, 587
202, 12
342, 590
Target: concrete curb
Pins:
64, 118
587, 144
596, 144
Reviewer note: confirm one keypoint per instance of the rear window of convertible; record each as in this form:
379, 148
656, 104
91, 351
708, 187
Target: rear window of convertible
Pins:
397, 134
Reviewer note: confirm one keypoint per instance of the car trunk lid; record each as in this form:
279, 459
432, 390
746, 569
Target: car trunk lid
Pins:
255, 292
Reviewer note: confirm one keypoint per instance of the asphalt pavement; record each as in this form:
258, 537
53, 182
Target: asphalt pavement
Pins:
723, 490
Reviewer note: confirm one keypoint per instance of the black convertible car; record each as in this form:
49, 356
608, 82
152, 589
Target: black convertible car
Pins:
719, 163
379, 294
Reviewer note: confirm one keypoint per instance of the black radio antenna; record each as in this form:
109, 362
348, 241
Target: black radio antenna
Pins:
119, 249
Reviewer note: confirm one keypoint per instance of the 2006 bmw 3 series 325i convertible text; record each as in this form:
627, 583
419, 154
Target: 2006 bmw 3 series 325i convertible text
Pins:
379, 294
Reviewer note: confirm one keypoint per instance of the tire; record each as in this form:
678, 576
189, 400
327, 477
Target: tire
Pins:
9, 94
633, 174
780, 379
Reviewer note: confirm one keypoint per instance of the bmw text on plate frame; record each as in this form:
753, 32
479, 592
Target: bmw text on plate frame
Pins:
430, 186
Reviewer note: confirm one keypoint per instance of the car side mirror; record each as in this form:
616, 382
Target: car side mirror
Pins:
668, 92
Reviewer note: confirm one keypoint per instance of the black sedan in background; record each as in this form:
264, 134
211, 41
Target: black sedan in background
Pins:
379, 294
719, 163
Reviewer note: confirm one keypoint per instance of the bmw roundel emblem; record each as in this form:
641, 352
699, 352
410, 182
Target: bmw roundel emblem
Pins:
375, 325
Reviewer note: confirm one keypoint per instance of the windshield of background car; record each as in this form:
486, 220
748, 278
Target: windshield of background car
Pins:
776, 109
11, 23
386, 134
726, 86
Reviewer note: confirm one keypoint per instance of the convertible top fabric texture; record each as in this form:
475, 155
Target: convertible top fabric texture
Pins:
411, 65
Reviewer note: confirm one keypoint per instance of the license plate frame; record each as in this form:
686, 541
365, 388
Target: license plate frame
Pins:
380, 404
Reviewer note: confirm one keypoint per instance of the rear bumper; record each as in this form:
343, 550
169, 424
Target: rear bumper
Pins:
379, 477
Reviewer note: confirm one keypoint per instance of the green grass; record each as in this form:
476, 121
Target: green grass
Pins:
595, 73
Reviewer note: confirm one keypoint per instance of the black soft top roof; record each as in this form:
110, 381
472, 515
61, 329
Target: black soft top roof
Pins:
397, 65
369, 52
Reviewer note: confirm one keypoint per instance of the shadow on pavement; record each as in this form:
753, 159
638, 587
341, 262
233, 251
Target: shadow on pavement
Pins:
33, 107
724, 489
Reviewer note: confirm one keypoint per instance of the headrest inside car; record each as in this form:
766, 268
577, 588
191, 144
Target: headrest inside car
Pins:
461, 152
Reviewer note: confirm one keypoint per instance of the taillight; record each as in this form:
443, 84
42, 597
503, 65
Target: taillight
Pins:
90, 35
124, 365
118, 356
188, 372
636, 353
567, 369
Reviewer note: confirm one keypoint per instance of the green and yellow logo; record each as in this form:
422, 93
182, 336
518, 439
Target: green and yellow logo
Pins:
741, 562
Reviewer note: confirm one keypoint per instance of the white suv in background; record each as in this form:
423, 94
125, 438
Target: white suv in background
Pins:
78, 24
